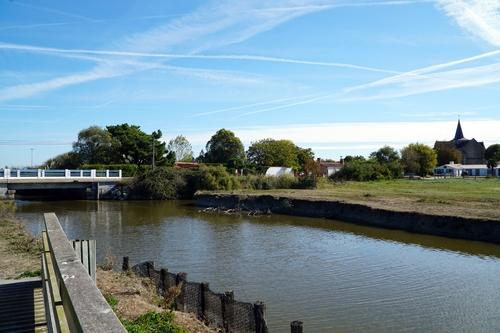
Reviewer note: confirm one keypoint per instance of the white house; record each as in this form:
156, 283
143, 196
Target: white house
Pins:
330, 168
457, 170
279, 171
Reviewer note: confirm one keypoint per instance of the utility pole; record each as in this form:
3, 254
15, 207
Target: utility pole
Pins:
32, 157
153, 153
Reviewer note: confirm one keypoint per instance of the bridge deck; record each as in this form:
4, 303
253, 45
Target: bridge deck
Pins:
21, 306
55, 180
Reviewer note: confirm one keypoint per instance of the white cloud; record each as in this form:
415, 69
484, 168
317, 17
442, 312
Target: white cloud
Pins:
360, 136
480, 18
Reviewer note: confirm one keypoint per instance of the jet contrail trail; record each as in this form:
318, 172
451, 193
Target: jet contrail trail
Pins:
30, 48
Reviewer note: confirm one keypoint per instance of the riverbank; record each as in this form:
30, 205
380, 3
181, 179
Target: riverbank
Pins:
19, 251
467, 209
132, 297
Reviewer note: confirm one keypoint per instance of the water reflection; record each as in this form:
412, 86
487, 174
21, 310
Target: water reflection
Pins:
110, 215
332, 275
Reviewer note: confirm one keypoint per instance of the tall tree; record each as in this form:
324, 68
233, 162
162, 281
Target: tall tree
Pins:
493, 152
182, 148
70, 160
270, 152
93, 146
492, 164
132, 145
419, 159
305, 156
385, 155
388, 158
447, 153
224, 147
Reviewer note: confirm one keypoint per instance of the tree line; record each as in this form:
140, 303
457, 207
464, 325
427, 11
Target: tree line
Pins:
129, 145
125, 144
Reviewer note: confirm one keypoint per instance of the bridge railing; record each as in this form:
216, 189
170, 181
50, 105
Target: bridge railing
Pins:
60, 174
72, 301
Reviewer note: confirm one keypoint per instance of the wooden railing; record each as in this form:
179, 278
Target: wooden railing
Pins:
72, 301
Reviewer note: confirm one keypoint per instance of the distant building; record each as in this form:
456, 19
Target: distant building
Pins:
330, 168
279, 171
472, 150
187, 165
458, 170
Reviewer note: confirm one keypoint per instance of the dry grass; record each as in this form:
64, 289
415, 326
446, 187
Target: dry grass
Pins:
109, 262
135, 296
19, 251
471, 198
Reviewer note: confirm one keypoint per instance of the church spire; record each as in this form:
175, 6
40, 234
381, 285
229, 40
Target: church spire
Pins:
459, 134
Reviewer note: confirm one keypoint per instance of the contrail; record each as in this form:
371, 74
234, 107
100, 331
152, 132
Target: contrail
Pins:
250, 105
30, 48
306, 101
55, 11
30, 26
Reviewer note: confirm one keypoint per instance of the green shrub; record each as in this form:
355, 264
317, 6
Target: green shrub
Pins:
306, 183
158, 184
153, 322
216, 178
261, 182
359, 170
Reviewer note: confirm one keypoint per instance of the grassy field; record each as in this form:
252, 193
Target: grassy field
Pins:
477, 198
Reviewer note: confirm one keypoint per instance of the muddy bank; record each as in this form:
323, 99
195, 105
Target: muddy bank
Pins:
447, 226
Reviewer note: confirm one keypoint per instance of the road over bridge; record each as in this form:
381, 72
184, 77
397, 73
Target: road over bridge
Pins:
89, 184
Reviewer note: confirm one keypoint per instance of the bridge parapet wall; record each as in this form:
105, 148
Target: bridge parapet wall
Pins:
60, 174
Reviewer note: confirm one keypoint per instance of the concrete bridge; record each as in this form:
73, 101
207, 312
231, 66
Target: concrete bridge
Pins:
88, 184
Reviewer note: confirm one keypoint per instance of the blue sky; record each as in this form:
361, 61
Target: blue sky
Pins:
342, 77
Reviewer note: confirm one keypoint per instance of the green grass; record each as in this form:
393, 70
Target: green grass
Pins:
112, 301
29, 274
153, 322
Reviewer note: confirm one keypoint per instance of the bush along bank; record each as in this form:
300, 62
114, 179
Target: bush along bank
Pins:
171, 183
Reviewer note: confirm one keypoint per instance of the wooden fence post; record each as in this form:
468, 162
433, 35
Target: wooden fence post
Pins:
181, 278
227, 309
164, 283
205, 287
259, 310
296, 326
150, 266
125, 264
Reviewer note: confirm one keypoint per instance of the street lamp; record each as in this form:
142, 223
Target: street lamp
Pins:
32, 157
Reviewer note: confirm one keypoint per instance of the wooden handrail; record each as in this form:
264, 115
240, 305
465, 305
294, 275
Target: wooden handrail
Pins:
72, 299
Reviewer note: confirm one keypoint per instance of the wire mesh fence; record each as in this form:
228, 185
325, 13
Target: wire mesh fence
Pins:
217, 310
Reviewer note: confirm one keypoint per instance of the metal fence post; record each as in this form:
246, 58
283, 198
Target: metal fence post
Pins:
259, 310
296, 326
125, 264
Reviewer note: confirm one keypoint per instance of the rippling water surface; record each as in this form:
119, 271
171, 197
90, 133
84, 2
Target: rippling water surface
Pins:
335, 277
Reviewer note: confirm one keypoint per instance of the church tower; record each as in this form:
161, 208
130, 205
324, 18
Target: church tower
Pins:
472, 151
459, 134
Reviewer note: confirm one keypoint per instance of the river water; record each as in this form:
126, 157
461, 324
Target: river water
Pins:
333, 276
